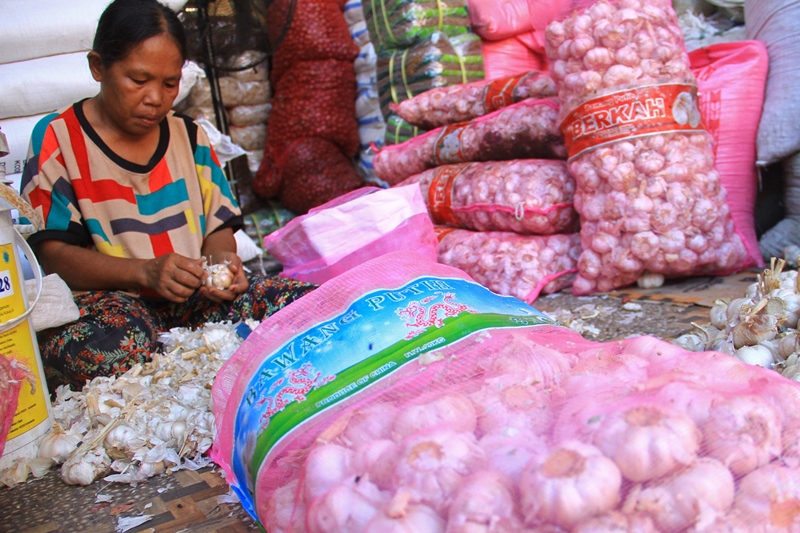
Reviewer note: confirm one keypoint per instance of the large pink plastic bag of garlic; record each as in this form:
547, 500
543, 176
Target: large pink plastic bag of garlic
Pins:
523, 266
527, 196
401, 396
351, 229
647, 193
442, 106
367, 337
528, 129
730, 80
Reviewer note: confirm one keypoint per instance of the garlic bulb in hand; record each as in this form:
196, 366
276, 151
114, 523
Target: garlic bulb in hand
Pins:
58, 445
219, 276
572, 484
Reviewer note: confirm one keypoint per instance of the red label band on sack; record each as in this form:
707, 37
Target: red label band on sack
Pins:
500, 93
442, 232
632, 113
440, 194
448, 145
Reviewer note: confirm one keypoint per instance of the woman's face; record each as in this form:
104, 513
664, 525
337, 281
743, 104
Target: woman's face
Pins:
137, 91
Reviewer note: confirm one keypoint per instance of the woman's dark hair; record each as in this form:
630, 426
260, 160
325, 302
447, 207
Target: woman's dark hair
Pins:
126, 23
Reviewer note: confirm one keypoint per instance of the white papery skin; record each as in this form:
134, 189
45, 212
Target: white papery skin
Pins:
617, 522
696, 495
459, 103
744, 432
453, 411
649, 204
769, 499
569, 485
433, 465
348, 506
509, 263
326, 466
285, 511
647, 441
485, 503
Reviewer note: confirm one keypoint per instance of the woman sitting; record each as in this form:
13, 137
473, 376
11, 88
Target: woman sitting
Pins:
134, 201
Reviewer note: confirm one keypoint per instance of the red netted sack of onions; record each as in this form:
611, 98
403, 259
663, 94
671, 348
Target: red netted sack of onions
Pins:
401, 396
441, 106
526, 130
11, 382
647, 193
524, 266
527, 196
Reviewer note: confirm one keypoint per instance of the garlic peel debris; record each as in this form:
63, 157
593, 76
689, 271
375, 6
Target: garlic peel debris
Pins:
153, 419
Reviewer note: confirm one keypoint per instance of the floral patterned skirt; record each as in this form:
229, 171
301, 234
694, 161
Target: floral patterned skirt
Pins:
116, 331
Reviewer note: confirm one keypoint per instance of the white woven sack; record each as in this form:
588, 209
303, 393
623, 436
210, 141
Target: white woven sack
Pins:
777, 23
29, 30
56, 305
45, 84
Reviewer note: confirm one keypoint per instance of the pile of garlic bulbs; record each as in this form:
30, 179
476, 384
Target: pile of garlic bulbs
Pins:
155, 417
759, 328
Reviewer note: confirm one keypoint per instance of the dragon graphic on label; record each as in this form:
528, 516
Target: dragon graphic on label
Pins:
299, 382
420, 317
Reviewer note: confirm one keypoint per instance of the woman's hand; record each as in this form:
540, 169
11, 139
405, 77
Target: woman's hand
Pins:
237, 286
174, 277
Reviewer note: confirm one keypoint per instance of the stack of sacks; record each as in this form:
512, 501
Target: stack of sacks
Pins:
648, 195
421, 44
371, 124
494, 180
513, 32
313, 133
43, 67
245, 94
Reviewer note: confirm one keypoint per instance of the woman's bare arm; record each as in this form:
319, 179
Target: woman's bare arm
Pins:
172, 276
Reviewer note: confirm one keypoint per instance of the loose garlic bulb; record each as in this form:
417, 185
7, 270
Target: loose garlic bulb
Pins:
84, 469
572, 484
58, 445
755, 329
756, 355
650, 280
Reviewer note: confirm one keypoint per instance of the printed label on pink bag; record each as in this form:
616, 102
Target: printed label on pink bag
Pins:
440, 194
500, 93
447, 149
632, 113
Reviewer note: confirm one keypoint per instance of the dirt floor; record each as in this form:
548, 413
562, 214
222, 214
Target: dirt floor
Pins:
189, 501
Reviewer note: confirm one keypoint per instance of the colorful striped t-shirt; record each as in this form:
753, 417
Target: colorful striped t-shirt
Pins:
89, 196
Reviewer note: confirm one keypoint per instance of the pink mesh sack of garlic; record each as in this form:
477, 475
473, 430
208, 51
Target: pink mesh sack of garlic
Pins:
523, 266
649, 198
527, 196
463, 102
402, 396
526, 130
